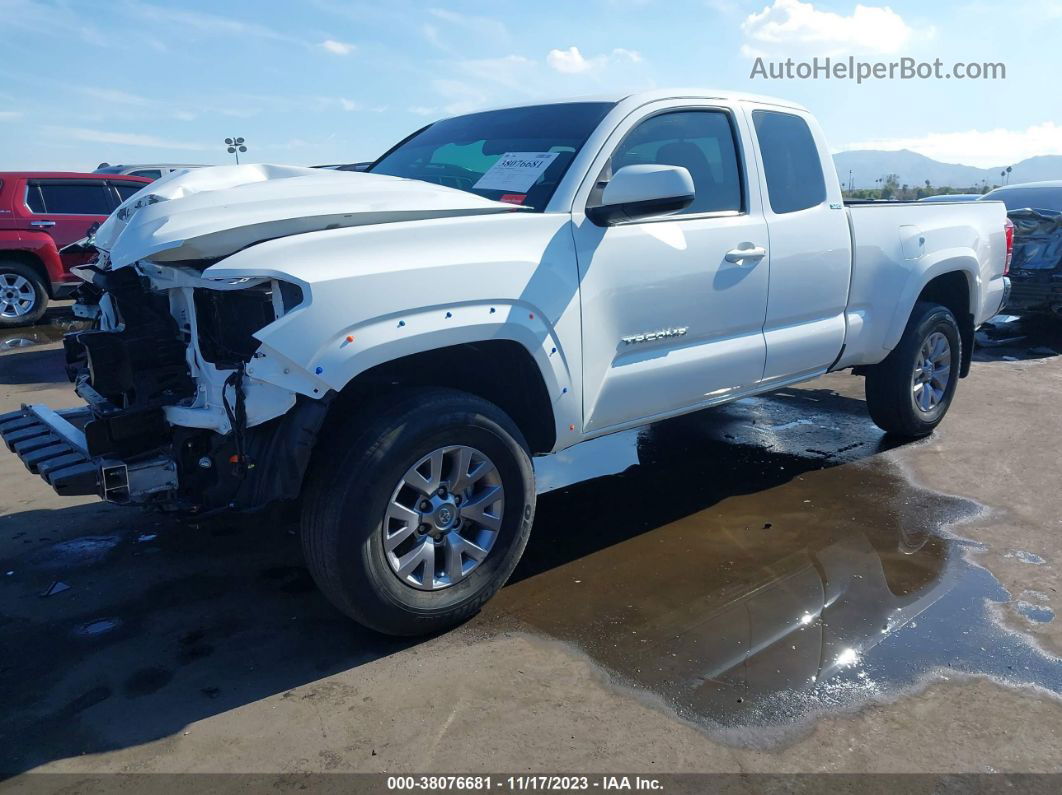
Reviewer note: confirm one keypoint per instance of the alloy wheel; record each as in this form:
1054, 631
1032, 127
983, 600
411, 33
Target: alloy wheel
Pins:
443, 517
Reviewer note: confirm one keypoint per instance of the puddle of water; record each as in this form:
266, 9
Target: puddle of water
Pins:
83, 551
40, 334
1026, 557
1038, 614
97, 627
755, 579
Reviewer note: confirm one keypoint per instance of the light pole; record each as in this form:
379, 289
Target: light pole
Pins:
235, 146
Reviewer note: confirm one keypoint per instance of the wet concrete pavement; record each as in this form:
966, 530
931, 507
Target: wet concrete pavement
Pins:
793, 581
758, 587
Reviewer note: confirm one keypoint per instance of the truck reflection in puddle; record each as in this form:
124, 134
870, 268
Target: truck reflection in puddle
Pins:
752, 573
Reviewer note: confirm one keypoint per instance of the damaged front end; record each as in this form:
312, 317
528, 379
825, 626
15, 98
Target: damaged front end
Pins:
189, 408
173, 418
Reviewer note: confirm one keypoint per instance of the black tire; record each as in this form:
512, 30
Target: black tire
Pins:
889, 387
12, 268
350, 485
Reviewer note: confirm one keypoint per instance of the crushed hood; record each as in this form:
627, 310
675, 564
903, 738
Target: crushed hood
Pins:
207, 213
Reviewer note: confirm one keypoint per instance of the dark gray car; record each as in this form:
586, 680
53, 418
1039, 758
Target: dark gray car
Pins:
1035, 209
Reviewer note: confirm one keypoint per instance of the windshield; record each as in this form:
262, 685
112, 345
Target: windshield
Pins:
466, 152
1020, 198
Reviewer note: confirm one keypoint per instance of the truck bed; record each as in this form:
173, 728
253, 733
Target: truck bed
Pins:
894, 240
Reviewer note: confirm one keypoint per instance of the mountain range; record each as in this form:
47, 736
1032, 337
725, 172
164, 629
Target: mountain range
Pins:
868, 165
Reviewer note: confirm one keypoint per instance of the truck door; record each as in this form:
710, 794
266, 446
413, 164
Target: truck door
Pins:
811, 244
672, 317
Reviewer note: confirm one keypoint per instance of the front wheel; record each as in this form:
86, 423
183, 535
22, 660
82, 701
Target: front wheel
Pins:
418, 515
909, 393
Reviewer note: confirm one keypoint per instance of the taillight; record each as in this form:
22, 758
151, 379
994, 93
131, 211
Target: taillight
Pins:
1009, 229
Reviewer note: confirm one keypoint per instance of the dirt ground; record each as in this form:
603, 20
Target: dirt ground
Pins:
771, 586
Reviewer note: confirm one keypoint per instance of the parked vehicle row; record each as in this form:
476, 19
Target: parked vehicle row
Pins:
42, 215
394, 346
148, 170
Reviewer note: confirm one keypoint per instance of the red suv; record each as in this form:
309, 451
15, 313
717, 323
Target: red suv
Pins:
40, 214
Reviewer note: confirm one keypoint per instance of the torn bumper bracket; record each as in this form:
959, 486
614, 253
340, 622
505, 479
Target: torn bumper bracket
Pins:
52, 444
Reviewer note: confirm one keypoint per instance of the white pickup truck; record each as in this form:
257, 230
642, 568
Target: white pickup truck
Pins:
394, 347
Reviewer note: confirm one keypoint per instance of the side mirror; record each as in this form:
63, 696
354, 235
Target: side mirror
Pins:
643, 191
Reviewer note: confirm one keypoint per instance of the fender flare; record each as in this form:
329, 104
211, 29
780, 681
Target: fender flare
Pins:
359, 347
946, 261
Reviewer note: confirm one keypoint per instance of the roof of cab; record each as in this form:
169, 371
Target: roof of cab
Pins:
638, 98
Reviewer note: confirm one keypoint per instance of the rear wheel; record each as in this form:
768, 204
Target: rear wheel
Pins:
419, 515
909, 393
23, 297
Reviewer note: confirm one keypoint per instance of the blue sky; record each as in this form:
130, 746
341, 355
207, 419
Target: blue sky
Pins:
319, 81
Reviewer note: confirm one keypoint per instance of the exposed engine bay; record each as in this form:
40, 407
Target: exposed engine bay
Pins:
164, 377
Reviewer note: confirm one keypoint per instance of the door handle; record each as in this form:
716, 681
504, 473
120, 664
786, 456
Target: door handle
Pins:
746, 253
42, 224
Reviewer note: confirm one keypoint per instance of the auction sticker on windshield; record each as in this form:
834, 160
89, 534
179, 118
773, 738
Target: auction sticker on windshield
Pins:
515, 171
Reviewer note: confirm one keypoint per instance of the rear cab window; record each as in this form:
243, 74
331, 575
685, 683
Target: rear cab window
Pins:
791, 163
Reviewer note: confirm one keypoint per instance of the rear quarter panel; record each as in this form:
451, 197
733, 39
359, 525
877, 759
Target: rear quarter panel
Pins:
899, 248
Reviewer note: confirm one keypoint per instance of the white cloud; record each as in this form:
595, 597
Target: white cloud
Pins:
795, 28
572, 62
630, 55
569, 61
124, 139
431, 33
114, 95
480, 28
204, 23
492, 29
459, 96
982, 148
514, 72
10, 115
338, 47
52, 19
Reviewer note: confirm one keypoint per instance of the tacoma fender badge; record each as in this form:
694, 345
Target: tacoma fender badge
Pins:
655, 335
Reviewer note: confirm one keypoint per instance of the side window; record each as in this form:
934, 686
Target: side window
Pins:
127, 189
33, 198
75, 198
790, 161
150, 173
702, 142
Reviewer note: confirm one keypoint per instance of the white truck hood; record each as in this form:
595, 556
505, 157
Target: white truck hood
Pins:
208, 213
